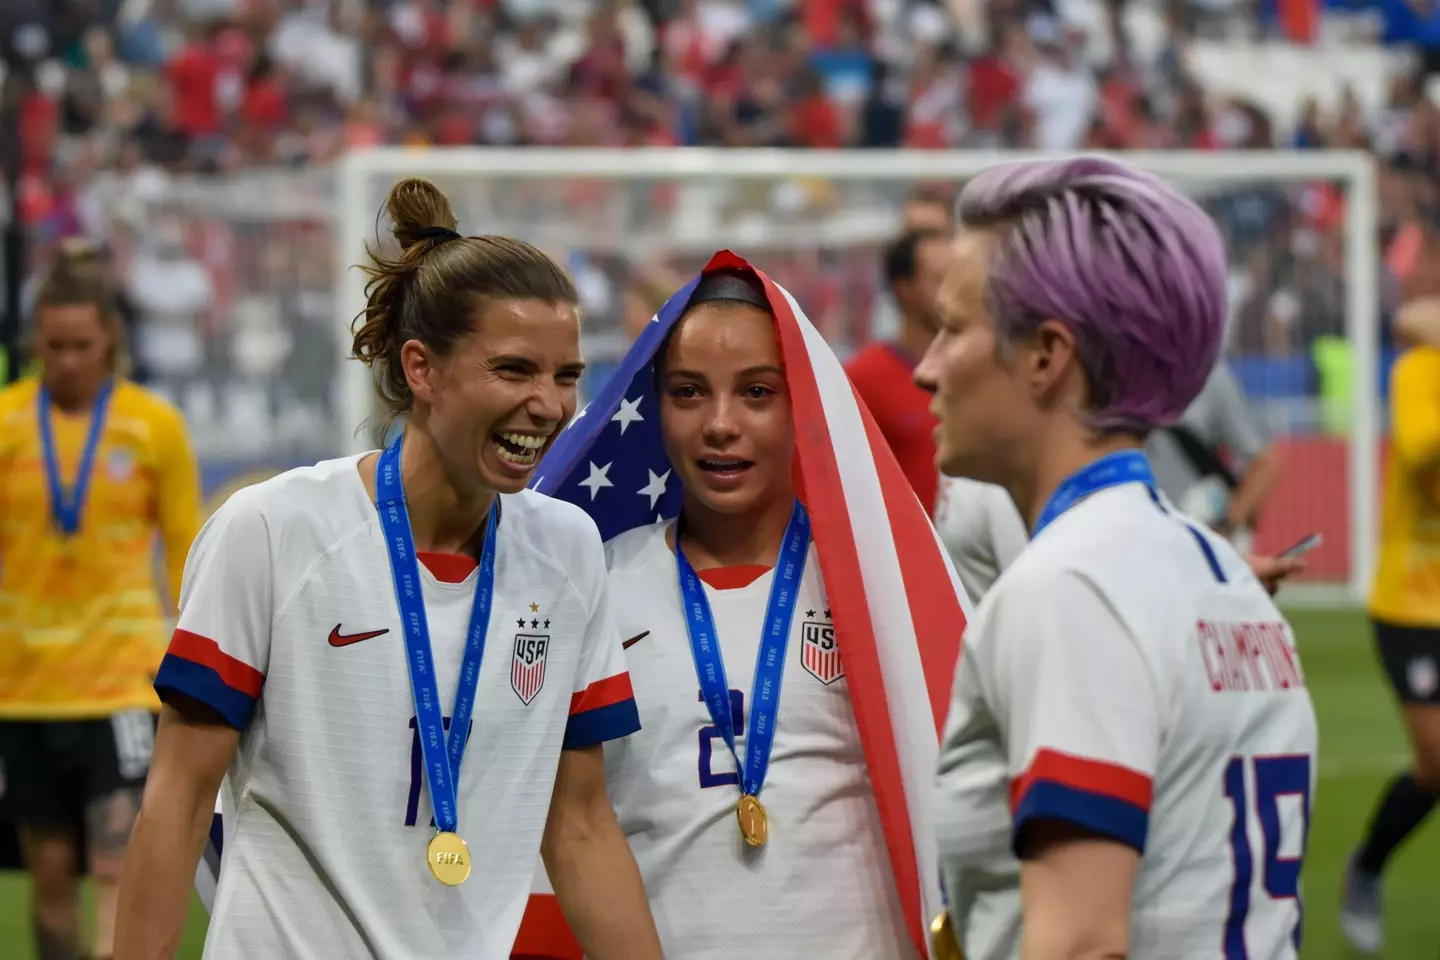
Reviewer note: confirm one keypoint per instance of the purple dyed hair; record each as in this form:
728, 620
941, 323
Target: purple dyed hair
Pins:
1133, 268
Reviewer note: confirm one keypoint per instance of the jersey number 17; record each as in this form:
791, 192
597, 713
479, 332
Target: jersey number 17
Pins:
417, 770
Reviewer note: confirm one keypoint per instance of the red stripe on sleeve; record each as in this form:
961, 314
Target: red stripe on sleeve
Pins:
1083, 773
602, 693
236, 674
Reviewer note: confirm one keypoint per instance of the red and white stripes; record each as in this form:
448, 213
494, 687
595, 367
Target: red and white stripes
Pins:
898, 608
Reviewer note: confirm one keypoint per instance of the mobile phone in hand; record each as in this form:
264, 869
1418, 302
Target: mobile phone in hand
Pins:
1305, 545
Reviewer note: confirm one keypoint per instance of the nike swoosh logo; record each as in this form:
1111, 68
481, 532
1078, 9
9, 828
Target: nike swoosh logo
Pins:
634, 640
338, 639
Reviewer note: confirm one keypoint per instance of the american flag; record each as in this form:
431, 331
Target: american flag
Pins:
898, 609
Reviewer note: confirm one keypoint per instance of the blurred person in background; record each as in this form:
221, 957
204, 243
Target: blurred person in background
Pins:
928, 210
177, 339
92, 469
647, 286
1404, 610
980, 529
79, 250
882, 370
1216, 463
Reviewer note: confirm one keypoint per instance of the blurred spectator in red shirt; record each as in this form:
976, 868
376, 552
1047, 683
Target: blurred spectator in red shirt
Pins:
934, 110
816, 120
39, 124
194, 74
883, 371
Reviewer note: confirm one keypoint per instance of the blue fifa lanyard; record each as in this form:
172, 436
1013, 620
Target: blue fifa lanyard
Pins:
442, 755
1111, 470
66, 506
770, 661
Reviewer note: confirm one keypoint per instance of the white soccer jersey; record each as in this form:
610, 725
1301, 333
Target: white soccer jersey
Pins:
980, 529
1130, 675
288, 627
822, 885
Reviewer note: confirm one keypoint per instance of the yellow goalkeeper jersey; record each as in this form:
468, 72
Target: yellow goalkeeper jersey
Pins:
83, 622
1406, 589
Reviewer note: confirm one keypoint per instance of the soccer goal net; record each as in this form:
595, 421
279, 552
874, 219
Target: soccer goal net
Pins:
1304, 333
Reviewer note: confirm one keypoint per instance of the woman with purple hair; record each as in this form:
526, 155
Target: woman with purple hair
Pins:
1129, 718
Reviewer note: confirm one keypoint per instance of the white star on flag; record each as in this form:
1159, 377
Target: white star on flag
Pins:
628, 413
597, 478
655, 489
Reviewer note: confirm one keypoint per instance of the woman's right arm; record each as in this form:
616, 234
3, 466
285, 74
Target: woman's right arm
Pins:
193, 749
210, 680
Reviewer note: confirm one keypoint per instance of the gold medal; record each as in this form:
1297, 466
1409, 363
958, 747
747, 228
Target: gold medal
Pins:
448, 858
754, 824
943, 943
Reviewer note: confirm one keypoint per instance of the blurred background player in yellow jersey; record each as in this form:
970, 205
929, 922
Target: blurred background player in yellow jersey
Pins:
1405, 611
92, 467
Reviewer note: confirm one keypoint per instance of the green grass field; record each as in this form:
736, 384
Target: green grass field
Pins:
1360, 746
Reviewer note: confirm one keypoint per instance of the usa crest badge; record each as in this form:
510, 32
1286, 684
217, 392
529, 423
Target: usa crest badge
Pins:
818, 653
527, 669
120, 464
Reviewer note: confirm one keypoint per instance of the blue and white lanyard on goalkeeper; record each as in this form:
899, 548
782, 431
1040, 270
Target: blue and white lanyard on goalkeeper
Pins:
67, 506
769, 662
1111, 470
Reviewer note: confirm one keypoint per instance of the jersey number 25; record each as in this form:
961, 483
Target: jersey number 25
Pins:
1275, 777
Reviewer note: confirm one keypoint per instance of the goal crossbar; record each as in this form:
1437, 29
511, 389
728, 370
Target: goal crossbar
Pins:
1354, 171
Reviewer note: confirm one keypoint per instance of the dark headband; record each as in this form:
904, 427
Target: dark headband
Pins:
443, 234
730, 285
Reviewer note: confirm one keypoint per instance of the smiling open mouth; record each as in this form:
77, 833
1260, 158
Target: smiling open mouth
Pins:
725, 466
519, 448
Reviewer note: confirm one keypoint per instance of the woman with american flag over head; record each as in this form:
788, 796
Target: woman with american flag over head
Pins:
791, 624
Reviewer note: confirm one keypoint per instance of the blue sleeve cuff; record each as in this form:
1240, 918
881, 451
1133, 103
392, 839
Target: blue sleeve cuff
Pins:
178, 675
610, 722
1110, 817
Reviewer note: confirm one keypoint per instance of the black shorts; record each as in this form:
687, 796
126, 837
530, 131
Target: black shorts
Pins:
51, 771
1411, 656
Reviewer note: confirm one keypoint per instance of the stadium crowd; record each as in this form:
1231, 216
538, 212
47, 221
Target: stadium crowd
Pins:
215, 85
128, 97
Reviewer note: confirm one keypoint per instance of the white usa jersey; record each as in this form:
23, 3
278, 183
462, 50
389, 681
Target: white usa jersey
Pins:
980, 529
1128, 674
288, 628
822, 885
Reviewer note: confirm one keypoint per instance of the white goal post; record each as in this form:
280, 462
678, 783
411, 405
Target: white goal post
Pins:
701, 175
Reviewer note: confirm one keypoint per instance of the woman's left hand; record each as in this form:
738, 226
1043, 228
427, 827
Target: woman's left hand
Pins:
1272, 570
